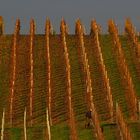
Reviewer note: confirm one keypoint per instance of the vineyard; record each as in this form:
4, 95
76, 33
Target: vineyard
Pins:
49, 81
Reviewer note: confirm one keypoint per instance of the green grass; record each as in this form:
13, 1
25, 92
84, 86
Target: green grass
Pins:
85, 133
36, 132
110, 132
16, 133
135, 130
60, 131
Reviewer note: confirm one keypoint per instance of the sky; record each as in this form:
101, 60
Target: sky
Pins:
70, 10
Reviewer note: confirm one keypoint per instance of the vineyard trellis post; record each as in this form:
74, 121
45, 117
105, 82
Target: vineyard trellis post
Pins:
32, 33
63, 30
2, 126
95, 33
25, 127
48, 126
119, 128
12, 89
48, 32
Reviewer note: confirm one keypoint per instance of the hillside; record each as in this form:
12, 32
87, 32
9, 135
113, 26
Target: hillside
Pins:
50, 65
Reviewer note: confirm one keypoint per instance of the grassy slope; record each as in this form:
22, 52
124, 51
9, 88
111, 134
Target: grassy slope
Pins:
132, 68
78, 90
60, 130
115, 81
5, 52
5, 55
99, 95
40, 89
59, 105
135, 127
113, 73
135, 130
111, 132
21, 81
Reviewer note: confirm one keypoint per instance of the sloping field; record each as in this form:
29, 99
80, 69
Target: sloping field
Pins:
41, 106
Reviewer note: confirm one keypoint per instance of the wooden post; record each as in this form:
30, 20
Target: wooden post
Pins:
117, 120
12, 89
48, 32
95, 34
25, 127
32, 32
2, 127
73, 135
48, 126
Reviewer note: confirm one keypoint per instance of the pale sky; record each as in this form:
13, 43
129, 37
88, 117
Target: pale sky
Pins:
86, 10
